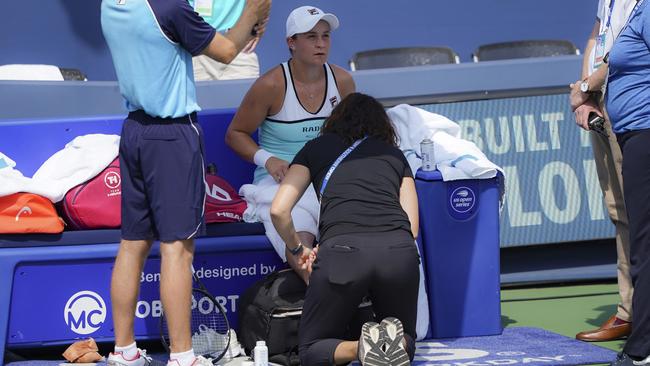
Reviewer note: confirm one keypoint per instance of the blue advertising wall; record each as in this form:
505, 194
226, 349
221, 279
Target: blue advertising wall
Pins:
67, 33
79, 299
552, 190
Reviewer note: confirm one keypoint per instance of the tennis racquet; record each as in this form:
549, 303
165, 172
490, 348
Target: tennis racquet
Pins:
208, 324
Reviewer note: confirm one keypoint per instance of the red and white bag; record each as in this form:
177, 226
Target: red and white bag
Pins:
222, 203
95, 204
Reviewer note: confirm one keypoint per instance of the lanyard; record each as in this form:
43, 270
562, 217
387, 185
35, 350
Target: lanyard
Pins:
609, 15
336, 164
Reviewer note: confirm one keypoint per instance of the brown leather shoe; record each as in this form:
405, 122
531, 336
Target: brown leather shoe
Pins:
613, 328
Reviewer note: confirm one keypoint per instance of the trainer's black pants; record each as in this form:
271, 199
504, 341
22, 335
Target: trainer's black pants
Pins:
348, 267
636, 185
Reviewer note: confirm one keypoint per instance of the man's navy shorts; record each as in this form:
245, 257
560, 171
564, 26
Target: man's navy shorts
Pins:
163, 178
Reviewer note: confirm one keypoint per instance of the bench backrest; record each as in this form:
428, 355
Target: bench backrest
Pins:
31, 142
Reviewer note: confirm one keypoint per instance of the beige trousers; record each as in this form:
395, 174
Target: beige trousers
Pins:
609, 160
244, 66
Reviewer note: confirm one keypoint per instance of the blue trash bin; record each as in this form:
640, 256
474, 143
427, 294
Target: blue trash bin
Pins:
459, 229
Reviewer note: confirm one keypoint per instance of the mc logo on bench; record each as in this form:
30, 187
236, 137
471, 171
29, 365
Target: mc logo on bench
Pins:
85, 312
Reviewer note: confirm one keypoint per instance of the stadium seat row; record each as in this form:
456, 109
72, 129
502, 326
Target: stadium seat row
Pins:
436, 55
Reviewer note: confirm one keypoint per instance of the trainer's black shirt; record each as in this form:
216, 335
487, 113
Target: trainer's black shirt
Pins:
363, 193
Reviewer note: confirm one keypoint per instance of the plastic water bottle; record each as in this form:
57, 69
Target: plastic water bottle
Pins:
426, 150
261, 354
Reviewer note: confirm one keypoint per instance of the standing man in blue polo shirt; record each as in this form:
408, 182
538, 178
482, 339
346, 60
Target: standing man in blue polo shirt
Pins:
161, 155
222, 15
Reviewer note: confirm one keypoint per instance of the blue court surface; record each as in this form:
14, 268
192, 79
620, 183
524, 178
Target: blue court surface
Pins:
516, 346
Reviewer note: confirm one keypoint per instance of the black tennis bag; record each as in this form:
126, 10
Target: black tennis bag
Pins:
270, 310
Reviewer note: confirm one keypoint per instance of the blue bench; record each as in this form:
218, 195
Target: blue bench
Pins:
54, 288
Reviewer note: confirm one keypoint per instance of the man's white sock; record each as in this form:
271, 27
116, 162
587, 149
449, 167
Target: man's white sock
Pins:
183, 358
128, 352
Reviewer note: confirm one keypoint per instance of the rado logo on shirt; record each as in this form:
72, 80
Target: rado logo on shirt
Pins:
311, 129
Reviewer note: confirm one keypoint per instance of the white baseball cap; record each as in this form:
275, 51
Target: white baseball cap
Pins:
304, 18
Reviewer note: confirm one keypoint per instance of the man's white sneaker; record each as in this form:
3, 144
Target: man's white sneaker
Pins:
198, 361
118, 359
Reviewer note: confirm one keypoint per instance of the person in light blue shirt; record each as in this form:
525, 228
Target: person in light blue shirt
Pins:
628, 103
222, 15
161, 155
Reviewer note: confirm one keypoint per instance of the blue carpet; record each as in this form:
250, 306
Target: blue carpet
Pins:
516, 346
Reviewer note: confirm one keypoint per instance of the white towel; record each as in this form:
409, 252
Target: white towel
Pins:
81, 159
259, 197
30, 72
454, 157
11, 180
461, 159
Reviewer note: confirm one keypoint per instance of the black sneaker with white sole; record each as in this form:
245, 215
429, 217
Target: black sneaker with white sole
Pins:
394, 349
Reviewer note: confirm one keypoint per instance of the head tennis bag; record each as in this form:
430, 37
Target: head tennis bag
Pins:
222, 203
22, 213
95, 204
270, 310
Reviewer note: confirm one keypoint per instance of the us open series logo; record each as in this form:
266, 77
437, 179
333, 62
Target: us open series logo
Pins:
462, 199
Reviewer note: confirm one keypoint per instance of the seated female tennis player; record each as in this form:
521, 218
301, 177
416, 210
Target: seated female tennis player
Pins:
368, 222
287, 106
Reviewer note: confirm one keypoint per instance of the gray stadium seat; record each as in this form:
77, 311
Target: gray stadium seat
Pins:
72, 74
524, 49
402, 57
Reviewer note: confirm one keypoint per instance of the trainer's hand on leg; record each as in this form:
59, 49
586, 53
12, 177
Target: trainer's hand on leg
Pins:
294, 263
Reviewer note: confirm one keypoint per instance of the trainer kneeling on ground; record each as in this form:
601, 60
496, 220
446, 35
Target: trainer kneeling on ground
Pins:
368, 222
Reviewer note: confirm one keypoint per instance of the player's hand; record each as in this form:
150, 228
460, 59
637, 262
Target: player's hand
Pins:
307, 259
277, 168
